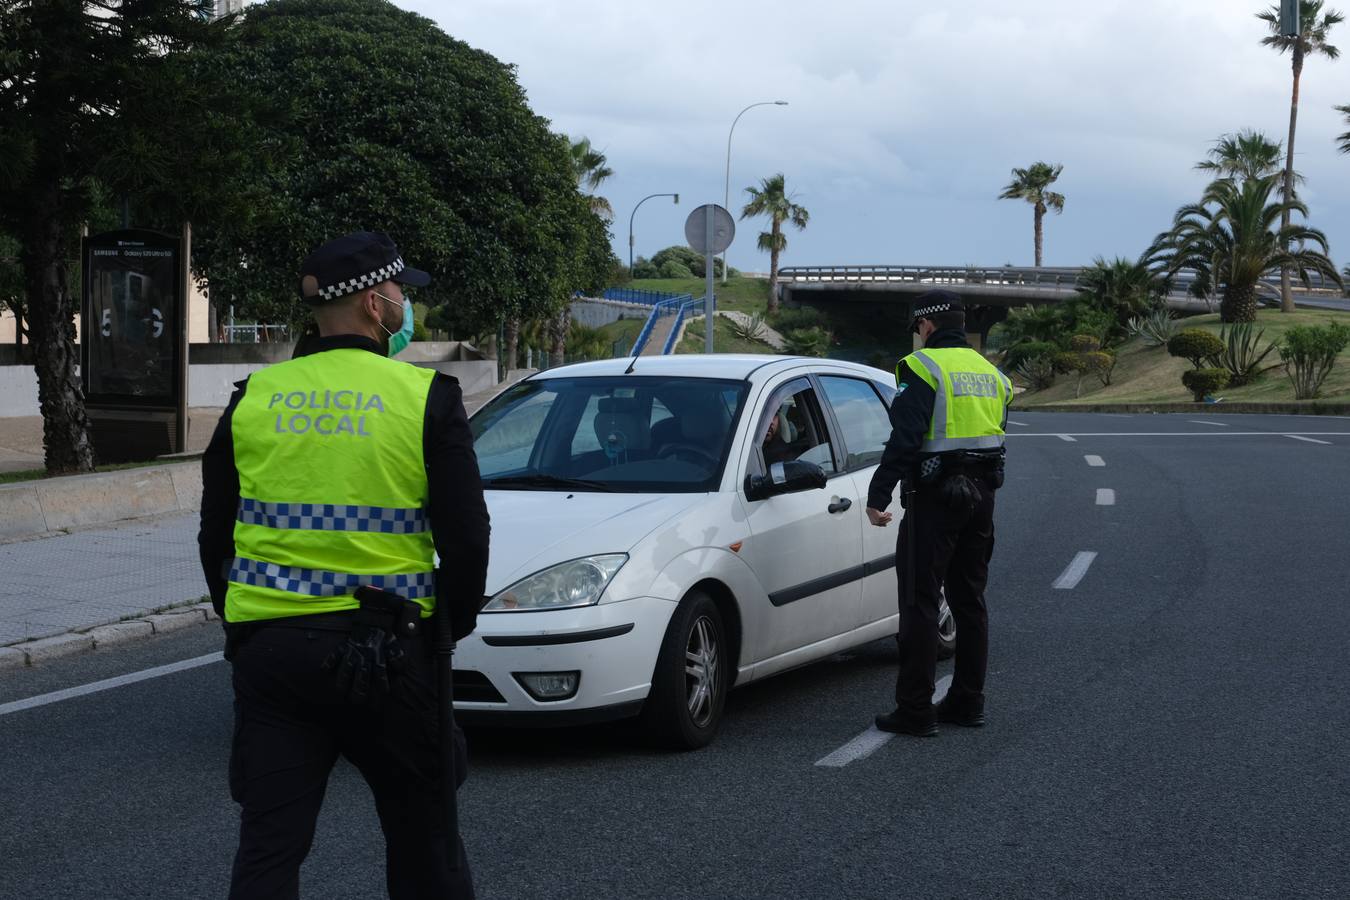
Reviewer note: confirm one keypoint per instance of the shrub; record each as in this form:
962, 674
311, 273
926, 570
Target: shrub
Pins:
1066, 362
1309, 354
1196, 345
688, 257
748, 329
1015, 355
1204, 381
808, 341
1102, 363
1242, 354
674, 269
645, 268
1037, 371
1155, 328
1084, 343
799, 317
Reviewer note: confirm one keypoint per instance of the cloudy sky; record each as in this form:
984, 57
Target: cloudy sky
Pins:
905, 117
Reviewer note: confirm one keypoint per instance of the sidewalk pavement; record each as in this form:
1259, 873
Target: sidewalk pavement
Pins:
21, 437
119, 576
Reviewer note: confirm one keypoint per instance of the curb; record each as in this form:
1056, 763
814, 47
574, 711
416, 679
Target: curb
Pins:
1288, 409
55, 505
31, 653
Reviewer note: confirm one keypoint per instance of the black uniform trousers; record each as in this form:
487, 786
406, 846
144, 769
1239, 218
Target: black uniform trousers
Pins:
952, 550
290, 726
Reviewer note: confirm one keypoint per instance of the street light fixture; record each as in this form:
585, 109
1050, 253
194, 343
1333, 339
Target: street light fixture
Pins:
726, 200
630, 225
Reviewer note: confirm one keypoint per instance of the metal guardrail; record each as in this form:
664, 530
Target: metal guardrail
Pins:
636, 295
255, 334
1064, 277
686, 307
665, 307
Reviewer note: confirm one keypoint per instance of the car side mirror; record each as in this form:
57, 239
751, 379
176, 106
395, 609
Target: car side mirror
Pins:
787, 477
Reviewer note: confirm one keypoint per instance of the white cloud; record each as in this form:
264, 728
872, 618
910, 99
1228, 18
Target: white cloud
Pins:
906, 118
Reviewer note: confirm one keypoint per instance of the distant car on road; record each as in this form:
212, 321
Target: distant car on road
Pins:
665, 529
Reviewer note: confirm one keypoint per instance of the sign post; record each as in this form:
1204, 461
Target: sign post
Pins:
710, 230
133, 343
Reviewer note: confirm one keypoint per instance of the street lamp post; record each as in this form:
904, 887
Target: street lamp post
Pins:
726, 199
630, 225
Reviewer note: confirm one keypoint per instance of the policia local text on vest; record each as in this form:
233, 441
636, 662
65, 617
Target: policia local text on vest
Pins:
329, 487
946, 445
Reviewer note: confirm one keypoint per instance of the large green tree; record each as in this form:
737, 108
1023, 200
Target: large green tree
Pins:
390, 124
1245, 154
1032, 184
772, 199
1313, 39
97, 99
1232, 239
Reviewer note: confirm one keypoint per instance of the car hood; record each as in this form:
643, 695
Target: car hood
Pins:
532, 530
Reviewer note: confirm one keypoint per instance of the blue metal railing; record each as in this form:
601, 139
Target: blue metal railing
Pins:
685, 307
635, 295
667, 307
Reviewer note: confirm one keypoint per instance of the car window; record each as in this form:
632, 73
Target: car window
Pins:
627, 433
862, 417
792, 428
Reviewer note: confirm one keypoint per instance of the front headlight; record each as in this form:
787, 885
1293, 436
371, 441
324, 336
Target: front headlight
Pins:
579, 582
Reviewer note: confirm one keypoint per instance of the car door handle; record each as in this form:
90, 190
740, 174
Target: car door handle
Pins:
840, 505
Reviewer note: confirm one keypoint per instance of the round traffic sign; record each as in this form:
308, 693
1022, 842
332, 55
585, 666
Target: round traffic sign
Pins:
696, 230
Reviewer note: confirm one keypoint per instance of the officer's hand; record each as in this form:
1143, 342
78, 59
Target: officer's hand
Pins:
878, 518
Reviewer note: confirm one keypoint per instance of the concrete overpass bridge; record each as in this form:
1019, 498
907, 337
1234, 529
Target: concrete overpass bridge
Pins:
989, 292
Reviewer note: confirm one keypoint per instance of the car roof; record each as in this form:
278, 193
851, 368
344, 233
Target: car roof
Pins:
739, 367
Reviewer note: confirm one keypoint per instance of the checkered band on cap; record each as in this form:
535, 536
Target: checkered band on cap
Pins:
320, 583
926, 311
331, 517
361, 282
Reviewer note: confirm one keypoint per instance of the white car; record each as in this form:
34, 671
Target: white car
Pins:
667, 528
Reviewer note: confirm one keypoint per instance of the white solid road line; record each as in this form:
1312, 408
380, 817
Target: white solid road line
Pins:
867, 743
1106, 497
1203, 422
1094, 460
1065, 437
1076, 570
108, 684
1299, 437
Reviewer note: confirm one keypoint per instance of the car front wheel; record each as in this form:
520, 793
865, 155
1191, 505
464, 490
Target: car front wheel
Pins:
689, 683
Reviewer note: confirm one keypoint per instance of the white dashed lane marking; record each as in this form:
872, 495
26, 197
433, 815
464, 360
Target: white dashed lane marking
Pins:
1106, 497
1022, 424
1094, 460
1203, 422
1076, 570
1299, 437
1065, 437
867, 743
108, 684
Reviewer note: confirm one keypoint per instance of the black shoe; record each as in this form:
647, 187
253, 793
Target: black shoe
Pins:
899, 722
968, 714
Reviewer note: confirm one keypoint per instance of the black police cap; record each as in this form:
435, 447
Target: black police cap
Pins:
930, 303
353, 263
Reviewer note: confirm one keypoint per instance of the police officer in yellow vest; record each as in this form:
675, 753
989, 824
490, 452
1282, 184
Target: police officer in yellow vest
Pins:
330, 484
946, 444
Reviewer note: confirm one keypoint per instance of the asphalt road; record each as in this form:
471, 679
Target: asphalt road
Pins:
1174, 725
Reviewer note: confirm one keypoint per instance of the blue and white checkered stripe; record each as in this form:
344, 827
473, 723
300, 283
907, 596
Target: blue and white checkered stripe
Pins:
318, 583
331, 517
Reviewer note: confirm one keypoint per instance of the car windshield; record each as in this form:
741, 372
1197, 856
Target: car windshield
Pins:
622, 433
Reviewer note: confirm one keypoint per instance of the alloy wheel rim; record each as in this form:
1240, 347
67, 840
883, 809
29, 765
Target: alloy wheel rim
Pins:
702, 671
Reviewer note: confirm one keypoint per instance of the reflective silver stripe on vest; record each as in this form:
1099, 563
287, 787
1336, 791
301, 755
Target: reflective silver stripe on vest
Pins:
940, 402
318, 583
332, 517
942, 445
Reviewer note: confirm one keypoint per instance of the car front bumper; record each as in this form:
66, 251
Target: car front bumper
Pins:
612, 645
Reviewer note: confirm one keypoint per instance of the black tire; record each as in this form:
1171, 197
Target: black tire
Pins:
946, 632
684, 709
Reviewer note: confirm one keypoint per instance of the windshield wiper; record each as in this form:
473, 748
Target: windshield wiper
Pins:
541, 480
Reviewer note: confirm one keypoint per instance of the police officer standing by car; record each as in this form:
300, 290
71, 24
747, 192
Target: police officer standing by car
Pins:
330, 484
946, 444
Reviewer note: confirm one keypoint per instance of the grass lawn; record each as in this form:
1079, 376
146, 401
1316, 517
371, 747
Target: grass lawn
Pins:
739, 293
1148, 375
724, 341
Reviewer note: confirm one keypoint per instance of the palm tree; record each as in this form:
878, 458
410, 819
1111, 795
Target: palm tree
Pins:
1246, 154
1312, 39
1343, 140
591, 170
1123, 287
1031, 185
1230, 241
772, 199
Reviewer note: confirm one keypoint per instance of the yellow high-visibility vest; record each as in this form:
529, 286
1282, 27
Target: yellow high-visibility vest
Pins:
332, 486
971, 398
